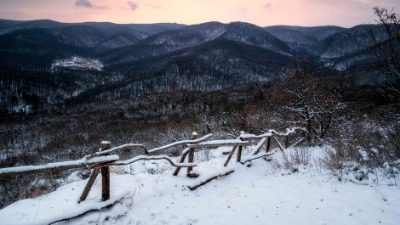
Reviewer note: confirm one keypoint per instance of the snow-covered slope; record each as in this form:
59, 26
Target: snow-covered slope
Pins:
263, 193
77, 63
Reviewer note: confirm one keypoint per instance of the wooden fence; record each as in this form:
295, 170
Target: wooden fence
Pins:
101, 161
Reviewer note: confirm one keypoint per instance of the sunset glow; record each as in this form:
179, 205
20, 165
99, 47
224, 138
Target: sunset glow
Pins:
345, 13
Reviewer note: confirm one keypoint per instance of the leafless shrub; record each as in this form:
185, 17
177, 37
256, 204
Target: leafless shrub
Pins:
300, 156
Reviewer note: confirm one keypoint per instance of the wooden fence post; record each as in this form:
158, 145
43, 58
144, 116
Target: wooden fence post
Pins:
240, 148
191, 158
89, 184
105, 175
230, 155
287, 141
181, 160
239, 153
268, 144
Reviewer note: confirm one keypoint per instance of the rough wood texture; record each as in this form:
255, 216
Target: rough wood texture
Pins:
192, 188
278, 143
105, 183
105, 176
191, 156
181, 160
53, 167
251, 158
89, 184
239, 154
148, 151
122, 147
287, 142
230, 155
138, 158
268, 144
213, 144
259, 146
185, 142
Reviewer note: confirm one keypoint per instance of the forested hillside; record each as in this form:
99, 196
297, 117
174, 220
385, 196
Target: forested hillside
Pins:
64, 87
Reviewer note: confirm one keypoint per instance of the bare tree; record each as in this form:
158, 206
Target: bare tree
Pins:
388, 50
312, 102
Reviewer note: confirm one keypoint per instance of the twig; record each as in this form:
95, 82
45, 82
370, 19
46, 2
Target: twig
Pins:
192, 188
142, 157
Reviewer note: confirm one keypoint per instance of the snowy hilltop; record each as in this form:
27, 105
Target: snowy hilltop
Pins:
77, 63
291, 187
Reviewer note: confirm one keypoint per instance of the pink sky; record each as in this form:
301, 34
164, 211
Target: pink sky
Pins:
345, 13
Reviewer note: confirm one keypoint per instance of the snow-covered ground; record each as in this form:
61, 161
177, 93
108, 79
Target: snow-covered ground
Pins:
78, 63
261, 193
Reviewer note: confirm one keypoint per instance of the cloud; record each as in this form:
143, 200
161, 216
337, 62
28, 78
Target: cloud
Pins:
133, 6
153, 6
87, 4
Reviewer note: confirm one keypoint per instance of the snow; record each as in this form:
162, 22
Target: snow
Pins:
105, 142
263, 192
271, 132
158, 157
230, 142
258, 146
181, 143
60, 204
78, 63
73, 163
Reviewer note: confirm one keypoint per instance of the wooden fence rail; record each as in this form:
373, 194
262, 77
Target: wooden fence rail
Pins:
100, 161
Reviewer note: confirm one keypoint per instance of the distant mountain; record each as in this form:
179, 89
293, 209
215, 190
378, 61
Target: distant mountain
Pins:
344, 43
302, 38
34, 49
106, 27
7, 26
348, 48
334, 47
155, 28
38, 43
123, 39
190, 36
37, 65
214, 65
256, 36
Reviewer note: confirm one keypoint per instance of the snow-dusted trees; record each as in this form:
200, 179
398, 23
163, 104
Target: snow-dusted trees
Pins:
312, 103
388, 52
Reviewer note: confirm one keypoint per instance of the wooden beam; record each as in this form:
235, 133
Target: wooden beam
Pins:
185, 142
239, 154
181, 160
89, 184
121, 147
192, 188
287, 142
105, 176
220, 143
278, 143
259, 146
53, 167
253, 157
145, 157
230, 155
268, 144
191, 157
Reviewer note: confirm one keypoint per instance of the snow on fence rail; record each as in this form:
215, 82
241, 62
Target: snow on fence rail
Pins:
52, 167
100, 161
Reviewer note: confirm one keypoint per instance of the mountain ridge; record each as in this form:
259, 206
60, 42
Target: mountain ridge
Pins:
138, 58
